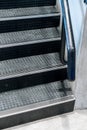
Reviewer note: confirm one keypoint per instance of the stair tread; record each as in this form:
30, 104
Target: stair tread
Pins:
32, 64
32, 95
29, 36
29, 11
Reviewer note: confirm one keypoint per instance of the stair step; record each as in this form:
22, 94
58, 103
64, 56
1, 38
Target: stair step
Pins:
18, 13
7, 4
29, 71
32, 103
29, 42
28, 18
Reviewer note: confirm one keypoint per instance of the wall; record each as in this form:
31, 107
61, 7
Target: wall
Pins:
79, 21
77, 10
80, 89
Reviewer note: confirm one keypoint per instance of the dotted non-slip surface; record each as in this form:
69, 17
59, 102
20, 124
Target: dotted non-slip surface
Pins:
29, 64
31, 95
29, 36
20, 12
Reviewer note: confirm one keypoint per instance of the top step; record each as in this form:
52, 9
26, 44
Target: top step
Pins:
8, 4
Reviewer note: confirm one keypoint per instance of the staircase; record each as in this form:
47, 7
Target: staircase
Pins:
34, 75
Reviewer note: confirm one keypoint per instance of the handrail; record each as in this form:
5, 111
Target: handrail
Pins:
69, 39
85, 1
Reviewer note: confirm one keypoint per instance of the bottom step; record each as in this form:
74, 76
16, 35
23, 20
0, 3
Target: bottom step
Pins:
32, 103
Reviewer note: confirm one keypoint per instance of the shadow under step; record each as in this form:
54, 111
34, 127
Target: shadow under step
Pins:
7, 4
33, 103
30, 42
29, 71
28, 18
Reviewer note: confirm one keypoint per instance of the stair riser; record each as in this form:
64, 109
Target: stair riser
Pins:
25, 117
28, 24
33, 79
6, 4
29, 50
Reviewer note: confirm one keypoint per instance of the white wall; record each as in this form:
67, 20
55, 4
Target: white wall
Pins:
77, 10
79, 18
